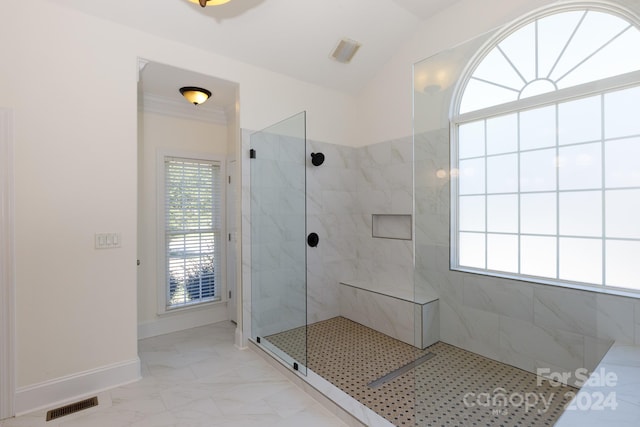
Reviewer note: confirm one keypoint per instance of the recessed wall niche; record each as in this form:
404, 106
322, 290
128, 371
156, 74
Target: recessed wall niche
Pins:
391, 226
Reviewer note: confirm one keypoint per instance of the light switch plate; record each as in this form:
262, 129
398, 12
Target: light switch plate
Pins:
107, 240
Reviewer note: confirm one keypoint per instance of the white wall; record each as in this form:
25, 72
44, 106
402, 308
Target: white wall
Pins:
385, 105
162, 132
71, 79
74, 100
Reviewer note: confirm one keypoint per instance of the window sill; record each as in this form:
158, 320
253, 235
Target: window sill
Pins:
191, 307
557, 284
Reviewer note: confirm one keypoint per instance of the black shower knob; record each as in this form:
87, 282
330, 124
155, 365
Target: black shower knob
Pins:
317, 159
313, 239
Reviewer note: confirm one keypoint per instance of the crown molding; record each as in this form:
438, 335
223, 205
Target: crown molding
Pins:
184, 110
230, 111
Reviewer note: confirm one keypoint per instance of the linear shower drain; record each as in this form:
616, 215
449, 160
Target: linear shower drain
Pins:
72, 408
400, 371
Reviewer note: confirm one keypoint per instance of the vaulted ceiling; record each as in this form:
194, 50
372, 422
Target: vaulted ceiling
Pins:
292, 37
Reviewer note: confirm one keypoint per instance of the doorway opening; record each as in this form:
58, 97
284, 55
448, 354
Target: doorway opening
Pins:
170, 264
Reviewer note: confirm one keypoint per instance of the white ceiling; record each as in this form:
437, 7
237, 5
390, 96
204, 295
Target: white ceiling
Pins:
292, 37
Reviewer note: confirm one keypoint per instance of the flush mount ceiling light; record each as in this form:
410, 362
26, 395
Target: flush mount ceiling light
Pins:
345, 50
195, 95
204, 3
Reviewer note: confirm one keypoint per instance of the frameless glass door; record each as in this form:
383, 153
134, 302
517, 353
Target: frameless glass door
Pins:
278, 240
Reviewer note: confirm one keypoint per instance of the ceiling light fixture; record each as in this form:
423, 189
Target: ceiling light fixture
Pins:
204, 3
195, 95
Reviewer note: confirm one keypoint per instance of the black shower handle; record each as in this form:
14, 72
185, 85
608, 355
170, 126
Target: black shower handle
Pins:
313, 239
317, 159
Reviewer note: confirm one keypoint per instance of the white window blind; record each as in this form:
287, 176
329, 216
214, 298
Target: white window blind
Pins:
193, 203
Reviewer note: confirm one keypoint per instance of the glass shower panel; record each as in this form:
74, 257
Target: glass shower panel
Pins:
435, 79
278, 240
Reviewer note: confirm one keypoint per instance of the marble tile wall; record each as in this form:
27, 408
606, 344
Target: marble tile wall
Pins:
277, 234
415, 323
384, 186
332, 201
391, 316
342, 194
523, 324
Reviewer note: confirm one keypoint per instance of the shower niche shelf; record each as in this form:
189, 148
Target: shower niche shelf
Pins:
391, 226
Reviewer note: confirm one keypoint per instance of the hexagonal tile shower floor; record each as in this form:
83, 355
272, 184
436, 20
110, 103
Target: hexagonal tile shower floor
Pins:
453, 388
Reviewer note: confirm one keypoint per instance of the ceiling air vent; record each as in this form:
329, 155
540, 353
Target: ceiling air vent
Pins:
72, 408
345, 50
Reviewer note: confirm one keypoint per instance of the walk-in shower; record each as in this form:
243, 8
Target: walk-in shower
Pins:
334, 293
363, 302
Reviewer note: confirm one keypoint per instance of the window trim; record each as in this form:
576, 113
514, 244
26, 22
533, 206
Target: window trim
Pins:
161, 271
522, 21
551, 98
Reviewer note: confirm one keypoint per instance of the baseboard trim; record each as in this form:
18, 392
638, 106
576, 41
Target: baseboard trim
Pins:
74, 387
239, 339
184, 319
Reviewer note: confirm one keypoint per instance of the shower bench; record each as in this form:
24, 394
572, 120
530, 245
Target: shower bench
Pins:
413, 319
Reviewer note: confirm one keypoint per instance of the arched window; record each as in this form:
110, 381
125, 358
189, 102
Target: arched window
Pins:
547, 147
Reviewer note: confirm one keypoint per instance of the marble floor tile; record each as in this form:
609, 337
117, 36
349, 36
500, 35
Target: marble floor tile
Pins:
197, 378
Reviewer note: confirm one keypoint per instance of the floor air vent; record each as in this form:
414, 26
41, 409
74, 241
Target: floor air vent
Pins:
72, 408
